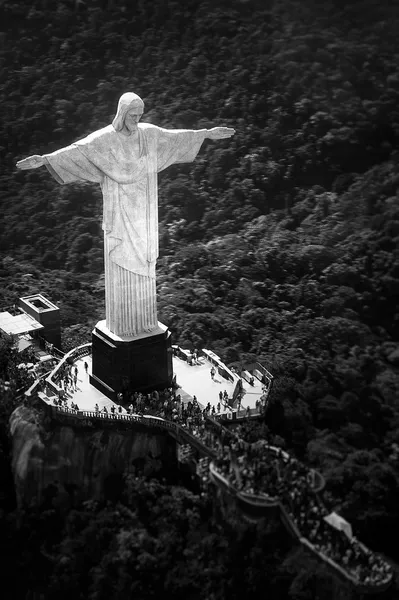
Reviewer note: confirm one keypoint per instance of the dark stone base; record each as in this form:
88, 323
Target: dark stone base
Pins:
141, 364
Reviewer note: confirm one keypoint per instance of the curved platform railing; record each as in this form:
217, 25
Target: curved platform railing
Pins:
221, 481
316, 480
362, 588
255, 506
36, 386
52, 381
181, 434
254, 500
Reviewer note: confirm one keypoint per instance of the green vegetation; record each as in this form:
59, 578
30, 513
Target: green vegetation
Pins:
281, 244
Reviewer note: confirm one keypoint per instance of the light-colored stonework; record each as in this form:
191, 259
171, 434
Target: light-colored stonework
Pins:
124, 158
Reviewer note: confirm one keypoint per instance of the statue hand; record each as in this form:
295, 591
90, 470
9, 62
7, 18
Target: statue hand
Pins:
32, 162
219, 133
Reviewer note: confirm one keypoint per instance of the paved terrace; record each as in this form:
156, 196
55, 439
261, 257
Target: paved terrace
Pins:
86, 395
193, 380
196, 381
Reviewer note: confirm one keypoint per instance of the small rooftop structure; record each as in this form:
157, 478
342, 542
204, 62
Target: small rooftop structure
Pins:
35, 321
37, 303
18, 324
46, 313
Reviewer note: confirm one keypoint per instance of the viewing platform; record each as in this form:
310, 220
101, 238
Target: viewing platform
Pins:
366, 571
192, 380
244, 399
268, 482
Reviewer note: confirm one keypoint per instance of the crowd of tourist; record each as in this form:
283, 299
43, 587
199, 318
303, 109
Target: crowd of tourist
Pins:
169, 405
203, 468
255, 469
67, 377
260, 471
65, 404
308, 513
276, 475
113, 410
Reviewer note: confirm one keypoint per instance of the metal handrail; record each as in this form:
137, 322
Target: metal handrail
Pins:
75, 353
251, 500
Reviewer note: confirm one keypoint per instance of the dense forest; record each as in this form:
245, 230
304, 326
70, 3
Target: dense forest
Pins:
280, 243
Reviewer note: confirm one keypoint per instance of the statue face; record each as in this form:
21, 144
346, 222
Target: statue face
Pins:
132, 119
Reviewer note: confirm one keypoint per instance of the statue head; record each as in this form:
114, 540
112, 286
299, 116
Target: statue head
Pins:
126, 102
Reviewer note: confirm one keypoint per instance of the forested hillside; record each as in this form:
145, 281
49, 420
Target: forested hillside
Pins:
280, 243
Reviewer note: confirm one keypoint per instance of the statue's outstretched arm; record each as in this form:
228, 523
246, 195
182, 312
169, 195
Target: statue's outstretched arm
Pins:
219, 133
32, 162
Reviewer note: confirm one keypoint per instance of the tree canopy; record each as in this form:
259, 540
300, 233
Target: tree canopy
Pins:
280, 244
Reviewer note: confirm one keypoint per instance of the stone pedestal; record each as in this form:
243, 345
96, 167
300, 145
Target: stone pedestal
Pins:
142, 363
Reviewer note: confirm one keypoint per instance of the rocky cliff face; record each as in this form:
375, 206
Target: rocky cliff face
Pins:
69, 462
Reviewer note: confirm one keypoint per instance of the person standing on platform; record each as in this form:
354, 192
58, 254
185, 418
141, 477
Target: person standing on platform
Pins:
86, 366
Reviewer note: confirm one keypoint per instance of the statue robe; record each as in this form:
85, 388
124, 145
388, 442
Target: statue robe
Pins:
130, 210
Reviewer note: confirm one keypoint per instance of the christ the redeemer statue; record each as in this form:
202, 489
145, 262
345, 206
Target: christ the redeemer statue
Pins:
124, 158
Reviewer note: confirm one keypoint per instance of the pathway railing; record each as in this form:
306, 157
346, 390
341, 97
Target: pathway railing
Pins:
251, 500
253, 503
36, 386
179, 432
53, 379
241, 414
317, 481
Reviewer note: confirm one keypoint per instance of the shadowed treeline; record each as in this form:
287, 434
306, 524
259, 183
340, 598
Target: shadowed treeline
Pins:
280, 244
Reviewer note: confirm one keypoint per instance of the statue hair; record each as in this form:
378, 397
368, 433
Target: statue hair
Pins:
126, 102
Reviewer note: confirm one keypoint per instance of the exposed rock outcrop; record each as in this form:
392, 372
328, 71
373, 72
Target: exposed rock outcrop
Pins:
71, 461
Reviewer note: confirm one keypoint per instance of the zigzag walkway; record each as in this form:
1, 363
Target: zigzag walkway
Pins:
300, 508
